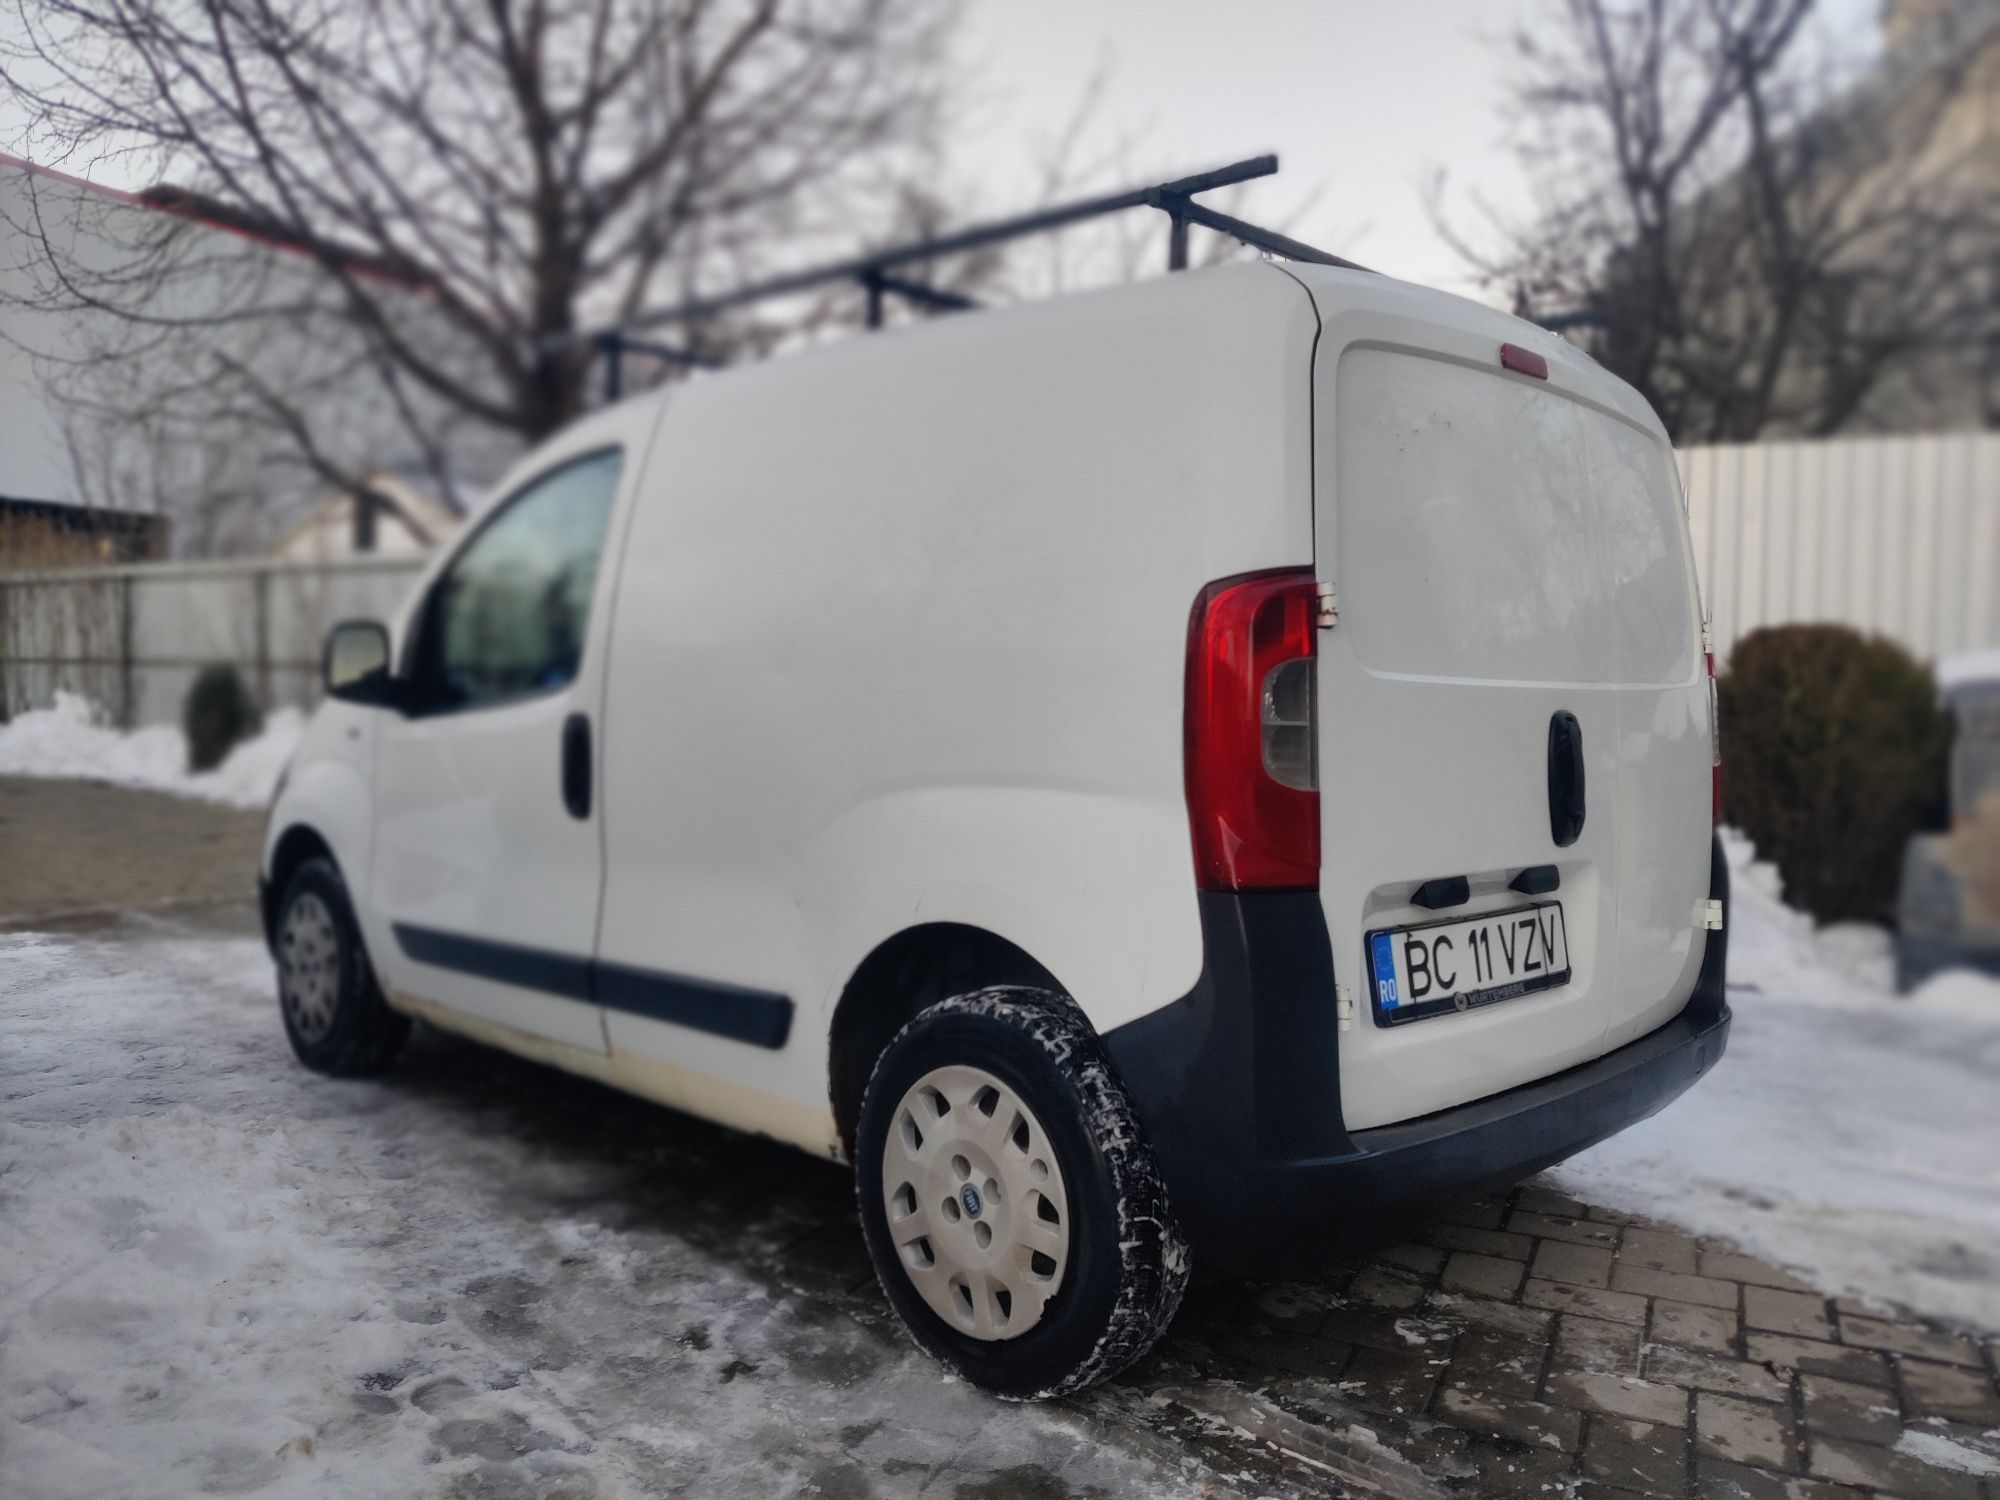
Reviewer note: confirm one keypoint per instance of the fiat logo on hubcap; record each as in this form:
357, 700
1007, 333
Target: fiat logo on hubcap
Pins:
969, 1196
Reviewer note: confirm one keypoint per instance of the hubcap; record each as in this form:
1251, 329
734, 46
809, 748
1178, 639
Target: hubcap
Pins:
976, 1203
309, 967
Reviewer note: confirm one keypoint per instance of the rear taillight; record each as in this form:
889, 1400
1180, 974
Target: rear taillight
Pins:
1714, 736
1251, 735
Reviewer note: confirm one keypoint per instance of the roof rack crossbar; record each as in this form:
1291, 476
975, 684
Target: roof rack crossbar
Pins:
940, 299
874, 271
1259, 238
614, 346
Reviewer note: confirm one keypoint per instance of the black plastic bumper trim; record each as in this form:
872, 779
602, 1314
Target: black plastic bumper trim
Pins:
1511, 1135
758, 1017
1238, 1086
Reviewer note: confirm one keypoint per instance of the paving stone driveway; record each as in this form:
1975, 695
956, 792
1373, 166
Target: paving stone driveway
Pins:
1548, 1342
1531, 1345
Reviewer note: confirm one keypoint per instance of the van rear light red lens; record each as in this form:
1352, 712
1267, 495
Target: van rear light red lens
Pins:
1251, 736
1523, 361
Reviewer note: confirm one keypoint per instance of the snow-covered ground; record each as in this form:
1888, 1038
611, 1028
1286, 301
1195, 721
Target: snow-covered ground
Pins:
221, 1274
1848, 1133
73, 739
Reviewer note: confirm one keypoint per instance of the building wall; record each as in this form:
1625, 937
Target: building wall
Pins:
1938, 100
36, 534
158, 416
329, 532
1901, 210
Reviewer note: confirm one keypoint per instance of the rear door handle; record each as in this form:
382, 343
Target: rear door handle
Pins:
576, 765
1565, 778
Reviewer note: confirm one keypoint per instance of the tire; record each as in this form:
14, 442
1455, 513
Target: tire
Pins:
1073, 1148
334, 1013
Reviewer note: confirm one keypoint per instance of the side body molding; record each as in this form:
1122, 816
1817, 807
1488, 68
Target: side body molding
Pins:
757, 1017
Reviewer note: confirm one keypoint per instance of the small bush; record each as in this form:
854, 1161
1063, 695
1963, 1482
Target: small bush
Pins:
217, 712
1833, 754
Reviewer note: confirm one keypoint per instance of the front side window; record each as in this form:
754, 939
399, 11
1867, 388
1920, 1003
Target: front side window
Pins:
509, 616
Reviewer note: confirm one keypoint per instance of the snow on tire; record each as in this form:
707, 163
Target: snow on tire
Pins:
966, 1245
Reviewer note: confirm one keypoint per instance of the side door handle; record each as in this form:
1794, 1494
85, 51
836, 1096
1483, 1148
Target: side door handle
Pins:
1565, 778
576, 765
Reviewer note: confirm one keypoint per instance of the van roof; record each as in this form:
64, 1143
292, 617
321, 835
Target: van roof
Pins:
1333, 293
1330, 282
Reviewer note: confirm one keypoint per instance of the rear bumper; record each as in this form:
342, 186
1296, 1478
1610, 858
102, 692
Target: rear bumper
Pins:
1238, 1086
1513, 1135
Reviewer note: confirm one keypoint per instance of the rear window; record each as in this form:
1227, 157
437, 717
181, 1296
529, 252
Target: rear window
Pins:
1493, 528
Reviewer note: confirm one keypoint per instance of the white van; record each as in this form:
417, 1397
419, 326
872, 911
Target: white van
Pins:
1188, 770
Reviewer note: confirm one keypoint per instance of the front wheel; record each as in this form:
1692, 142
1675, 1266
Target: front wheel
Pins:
1011, 1203
334, 1013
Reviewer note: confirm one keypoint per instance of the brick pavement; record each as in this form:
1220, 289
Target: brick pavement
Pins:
1529, 1344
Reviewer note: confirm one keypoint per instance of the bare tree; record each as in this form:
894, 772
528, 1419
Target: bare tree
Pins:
467, 179
1081, 152
1757, 236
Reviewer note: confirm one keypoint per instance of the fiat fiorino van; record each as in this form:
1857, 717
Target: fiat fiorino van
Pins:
1177, 772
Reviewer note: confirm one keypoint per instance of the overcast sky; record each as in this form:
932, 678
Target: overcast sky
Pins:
1361, 99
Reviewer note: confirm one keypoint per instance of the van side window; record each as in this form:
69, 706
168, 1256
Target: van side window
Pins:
508, 618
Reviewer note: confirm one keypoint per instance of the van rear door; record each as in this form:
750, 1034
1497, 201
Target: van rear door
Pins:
1518, 642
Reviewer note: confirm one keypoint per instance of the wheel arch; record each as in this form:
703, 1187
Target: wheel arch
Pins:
900, 977
296, 845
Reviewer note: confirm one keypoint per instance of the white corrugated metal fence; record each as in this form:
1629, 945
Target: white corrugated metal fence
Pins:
1897, 536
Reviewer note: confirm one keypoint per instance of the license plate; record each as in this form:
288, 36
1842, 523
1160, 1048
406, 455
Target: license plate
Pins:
1465, 962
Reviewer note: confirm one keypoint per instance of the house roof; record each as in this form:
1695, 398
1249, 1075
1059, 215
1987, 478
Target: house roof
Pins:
89, 519
214, 213
427, 519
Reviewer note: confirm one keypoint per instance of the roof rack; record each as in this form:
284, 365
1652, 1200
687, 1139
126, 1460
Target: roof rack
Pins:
876, 273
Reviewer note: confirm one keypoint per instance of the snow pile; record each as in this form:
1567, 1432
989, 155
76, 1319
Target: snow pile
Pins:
73, 739
1968, 667
1848, 1133
1778, 951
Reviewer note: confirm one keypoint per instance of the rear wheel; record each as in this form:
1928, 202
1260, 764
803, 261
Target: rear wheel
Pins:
1011, 1203
334, 1013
